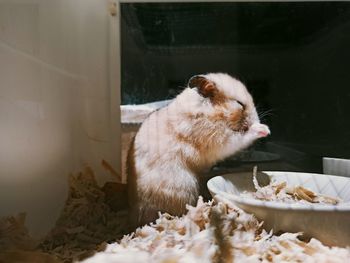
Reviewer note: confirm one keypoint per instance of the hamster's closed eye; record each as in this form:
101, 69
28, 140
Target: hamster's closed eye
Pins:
240, 103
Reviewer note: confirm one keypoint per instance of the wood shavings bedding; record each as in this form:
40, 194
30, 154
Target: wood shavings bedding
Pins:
216, 231
16, 245
280, 191
14, 234
86, 223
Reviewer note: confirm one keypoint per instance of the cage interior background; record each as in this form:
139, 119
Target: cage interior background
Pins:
78, 78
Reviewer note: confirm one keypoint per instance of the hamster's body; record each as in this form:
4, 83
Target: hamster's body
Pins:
213, 118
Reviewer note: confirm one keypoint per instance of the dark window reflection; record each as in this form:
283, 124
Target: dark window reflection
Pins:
293, 57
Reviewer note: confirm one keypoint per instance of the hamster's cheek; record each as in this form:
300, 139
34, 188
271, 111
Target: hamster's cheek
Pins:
258, 130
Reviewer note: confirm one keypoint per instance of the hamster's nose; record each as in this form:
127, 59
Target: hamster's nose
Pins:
261, 130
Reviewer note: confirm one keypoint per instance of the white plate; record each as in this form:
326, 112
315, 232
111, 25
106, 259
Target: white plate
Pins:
328, 223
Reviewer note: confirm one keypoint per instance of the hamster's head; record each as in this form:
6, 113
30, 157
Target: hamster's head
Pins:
226, 101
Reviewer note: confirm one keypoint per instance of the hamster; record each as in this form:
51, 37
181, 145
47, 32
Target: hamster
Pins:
212, 118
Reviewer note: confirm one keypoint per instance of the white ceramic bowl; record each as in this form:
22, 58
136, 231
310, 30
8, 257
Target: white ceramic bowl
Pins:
328, 223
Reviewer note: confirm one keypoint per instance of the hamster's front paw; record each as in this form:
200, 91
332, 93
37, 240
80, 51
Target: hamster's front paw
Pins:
259, 130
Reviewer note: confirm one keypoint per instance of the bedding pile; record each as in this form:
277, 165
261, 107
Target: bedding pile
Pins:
86, 222
14, 234
215, 231
85, 225
90, 231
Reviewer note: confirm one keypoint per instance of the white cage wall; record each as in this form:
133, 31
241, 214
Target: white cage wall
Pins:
59, 101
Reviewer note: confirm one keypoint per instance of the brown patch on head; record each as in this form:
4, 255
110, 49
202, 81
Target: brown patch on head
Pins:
207, 89
237, 121
236, 116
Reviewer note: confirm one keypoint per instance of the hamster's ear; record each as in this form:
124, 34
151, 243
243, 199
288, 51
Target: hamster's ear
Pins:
205, 87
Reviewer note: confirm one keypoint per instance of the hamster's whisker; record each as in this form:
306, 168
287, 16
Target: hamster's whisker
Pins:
265, 113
